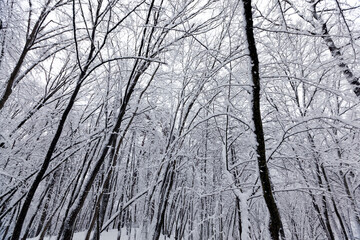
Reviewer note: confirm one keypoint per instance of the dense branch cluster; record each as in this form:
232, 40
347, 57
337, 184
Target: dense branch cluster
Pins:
193, 119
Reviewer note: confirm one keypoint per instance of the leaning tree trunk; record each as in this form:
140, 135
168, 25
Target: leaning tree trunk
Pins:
275, 225
69, 222
46, 163
30, 40
35, 184
352, 79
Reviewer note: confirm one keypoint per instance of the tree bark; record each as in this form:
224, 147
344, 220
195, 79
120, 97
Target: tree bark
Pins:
45, 165
353, 80
275, 225
28, 44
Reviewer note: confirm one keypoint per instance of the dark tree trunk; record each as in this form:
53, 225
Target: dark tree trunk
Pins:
275, 225
28, 44
352, 79
238, 214
45, 165
164, 195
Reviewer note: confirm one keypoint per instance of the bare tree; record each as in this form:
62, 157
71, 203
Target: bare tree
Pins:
275, 225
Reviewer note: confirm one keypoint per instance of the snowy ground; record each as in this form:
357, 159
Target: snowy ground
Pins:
110, 235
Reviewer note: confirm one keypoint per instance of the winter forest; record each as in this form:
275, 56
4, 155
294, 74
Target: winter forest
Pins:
179, 119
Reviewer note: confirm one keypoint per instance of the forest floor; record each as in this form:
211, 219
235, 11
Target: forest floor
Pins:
109, 235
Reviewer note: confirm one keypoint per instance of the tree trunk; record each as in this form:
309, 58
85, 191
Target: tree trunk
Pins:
275, 225
353, 80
